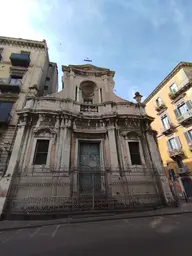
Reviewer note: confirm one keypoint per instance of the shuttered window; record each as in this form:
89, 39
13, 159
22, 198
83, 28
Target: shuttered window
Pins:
183, 108
5, 110
188, 136
174, 143
41, 152
165, 121
173, 88
159, 102
135, 153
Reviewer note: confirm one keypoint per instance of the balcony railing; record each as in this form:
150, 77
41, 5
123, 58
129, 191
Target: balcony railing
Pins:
185, 117
167, 129
175, 152
88, 108
7, 85
160, 107
21, 60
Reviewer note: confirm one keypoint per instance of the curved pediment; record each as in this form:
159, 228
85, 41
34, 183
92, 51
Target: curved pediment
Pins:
44, 131
131, 135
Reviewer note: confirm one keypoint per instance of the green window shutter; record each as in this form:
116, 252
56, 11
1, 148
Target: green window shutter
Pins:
177, 114
187, 137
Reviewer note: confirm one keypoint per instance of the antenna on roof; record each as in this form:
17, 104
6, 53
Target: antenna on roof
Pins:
88, 60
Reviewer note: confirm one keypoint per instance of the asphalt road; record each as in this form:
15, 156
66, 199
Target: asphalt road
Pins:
170, 235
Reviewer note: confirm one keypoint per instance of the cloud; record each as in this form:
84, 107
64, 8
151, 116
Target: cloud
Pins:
142, 40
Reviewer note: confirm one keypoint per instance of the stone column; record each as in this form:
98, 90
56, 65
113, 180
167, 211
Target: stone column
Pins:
5, 182
156, 161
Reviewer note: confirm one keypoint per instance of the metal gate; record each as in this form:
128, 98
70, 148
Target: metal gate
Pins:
61, 192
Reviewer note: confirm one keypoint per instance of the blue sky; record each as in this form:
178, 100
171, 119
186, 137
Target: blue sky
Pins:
142, 40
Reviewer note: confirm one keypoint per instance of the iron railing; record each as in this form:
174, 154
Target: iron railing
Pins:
76, 190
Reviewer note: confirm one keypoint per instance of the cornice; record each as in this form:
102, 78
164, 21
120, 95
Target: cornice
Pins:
23, 42
88, 69
167, 78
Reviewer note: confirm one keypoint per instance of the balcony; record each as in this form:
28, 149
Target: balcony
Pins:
7, 85
21, 60
89, 108
185, 117
161, 107
168, 129
175, 152
174, 94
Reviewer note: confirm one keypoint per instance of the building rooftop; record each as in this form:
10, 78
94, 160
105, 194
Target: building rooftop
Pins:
167, 78
23, 42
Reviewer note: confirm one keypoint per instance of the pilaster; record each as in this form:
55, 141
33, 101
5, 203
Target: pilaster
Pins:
65, 154
112, 145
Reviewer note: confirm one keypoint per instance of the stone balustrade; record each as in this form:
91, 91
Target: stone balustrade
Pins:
55, 105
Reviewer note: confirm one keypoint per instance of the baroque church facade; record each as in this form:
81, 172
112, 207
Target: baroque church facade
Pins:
83, 148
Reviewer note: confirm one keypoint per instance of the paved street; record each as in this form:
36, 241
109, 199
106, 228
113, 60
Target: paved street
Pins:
144, 236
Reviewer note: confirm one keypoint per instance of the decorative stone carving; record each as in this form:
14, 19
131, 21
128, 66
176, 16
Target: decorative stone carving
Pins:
131, 135
29, 103
45, 132
33, 90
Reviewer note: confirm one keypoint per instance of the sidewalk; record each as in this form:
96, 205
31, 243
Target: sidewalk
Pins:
13, 225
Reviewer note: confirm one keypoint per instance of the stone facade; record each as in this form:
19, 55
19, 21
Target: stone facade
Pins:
99, 150
24, 70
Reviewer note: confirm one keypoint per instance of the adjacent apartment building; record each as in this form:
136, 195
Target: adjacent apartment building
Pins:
25, 70
83, 148
171, 106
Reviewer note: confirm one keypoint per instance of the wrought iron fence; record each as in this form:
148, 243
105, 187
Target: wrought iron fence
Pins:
53, 192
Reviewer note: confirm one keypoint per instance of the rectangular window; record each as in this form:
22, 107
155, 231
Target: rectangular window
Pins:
174, 143
41, 152
165, 121
182, 109
5, 110
46, 87
1, 50
159, 101
188, 136
135, 153
101, 95
173, 88
76, 93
